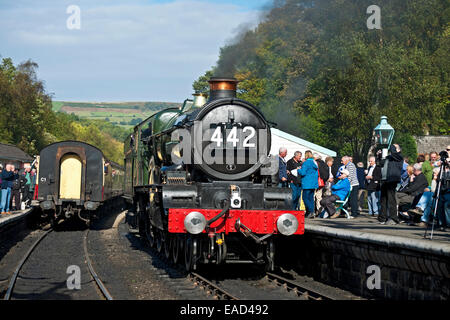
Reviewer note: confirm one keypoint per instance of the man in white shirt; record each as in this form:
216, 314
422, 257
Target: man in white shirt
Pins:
353, 199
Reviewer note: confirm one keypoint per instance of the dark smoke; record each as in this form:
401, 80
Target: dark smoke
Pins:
241, 47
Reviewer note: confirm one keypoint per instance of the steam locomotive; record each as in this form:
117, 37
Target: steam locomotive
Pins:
200, 179
75, 179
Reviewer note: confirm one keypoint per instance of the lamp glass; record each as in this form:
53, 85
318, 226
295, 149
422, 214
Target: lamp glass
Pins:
384, 133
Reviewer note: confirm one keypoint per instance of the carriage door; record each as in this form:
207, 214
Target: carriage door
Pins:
70, 177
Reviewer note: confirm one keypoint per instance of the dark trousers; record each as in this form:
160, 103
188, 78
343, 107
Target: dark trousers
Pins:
404, 200
15, 196
27, 195
388, 202
308, 200
327, 202
353, 201
296, 193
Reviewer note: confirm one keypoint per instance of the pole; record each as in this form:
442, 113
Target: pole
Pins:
436, 199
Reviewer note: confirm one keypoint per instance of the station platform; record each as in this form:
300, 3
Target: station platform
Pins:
367, 228
347, 252
6, 219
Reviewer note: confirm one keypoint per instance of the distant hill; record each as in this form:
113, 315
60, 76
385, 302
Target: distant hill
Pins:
124, 114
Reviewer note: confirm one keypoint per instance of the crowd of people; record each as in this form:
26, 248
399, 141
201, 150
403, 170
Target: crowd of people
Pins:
394, 190
17, 187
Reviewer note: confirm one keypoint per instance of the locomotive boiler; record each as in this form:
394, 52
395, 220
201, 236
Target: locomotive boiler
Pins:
200, 180
75, 179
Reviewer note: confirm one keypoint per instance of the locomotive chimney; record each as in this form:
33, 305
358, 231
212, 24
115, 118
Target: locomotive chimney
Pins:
220, 88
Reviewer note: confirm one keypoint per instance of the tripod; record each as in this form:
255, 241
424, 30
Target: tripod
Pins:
437, 193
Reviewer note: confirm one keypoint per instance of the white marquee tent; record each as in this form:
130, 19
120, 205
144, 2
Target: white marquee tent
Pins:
293, 143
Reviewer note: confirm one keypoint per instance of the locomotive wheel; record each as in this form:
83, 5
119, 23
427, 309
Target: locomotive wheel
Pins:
145, 228
158, 240
167, 244
270, 256
150, 236
142, 223
190, 254
176, 248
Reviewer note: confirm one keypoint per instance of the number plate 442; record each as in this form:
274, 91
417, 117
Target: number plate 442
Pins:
236, 137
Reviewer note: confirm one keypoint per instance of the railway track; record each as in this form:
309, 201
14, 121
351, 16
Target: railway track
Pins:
290, 287
102, 291
210, 288
250, 283
300, 290
12, 281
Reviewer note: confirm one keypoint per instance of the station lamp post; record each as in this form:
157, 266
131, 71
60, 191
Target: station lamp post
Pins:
384, 134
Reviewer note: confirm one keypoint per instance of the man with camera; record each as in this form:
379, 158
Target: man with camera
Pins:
391, 174
442, 193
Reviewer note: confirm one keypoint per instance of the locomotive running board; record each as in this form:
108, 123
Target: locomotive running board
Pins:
249, 233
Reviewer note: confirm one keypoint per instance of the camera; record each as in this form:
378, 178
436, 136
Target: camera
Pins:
445, 163
444, 157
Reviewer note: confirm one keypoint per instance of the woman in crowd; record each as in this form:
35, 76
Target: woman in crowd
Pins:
310, 176
408, 178
339, 191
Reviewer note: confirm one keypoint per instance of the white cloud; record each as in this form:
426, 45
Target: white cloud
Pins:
137, 44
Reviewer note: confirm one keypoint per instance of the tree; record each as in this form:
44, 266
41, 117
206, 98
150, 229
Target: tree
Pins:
201, 85
315, 69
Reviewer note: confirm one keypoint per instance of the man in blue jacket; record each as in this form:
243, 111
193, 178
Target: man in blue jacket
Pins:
338, 192
7, 179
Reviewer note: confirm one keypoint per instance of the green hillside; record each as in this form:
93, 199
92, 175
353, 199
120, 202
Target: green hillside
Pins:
124, 114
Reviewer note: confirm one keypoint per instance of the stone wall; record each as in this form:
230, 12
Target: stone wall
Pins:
406, 274
426, 144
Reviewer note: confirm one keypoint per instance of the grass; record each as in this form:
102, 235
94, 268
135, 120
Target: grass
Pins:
126, 111
57, 105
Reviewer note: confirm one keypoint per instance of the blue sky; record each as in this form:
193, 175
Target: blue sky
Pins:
125, 50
